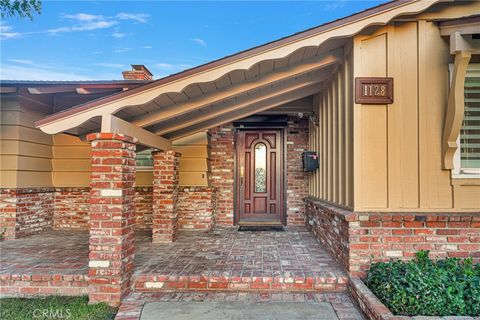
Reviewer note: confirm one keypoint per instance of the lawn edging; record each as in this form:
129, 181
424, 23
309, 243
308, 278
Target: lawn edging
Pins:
374, 309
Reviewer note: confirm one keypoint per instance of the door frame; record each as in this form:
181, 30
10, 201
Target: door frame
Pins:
283, 141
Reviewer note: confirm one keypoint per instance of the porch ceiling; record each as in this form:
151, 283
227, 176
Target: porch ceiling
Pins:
237, 94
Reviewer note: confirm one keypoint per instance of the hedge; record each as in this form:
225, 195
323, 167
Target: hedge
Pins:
444, 287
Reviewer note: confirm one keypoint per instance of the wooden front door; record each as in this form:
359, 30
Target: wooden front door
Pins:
260, 177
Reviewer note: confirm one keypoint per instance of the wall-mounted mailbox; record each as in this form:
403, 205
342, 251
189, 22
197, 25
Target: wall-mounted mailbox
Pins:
310, 161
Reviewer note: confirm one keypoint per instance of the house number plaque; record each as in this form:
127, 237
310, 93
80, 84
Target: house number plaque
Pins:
373, 90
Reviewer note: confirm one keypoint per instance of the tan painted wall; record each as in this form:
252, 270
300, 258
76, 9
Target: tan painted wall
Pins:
332, 138
71, 162
397, 147
25, 152
31, 158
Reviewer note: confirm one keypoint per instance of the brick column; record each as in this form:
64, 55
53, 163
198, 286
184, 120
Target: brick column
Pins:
165, 195
112, 217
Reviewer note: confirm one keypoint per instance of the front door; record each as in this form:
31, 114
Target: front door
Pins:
260, 177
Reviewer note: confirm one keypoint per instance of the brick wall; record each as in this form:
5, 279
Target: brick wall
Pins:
71, 208
196, 208
143, 207
297, 180
371, 237
165, 196
25, 211
222, 171
330, 225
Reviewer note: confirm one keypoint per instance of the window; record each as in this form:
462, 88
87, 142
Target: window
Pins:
144, 160
467, 157
260, 168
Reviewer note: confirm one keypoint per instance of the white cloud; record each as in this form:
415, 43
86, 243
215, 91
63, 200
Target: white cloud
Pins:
120, 50
164, 65
81, 22
11, 72
138, 17
87, 26
21, 61
147, 47
111, 65
118, 35
84, 17
6, 32
331, 6
200, 42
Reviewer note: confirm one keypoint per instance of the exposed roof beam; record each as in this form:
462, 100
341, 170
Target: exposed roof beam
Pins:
465, 43
252, 109
111, 123
467, 25
280, 90
310, 65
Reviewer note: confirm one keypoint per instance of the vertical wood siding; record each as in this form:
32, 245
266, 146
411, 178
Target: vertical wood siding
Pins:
331, 137
397, 147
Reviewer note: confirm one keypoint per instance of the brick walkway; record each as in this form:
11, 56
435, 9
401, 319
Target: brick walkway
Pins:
224, 259
344, 307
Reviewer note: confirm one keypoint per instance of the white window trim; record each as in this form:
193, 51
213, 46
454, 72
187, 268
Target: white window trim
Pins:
458, 172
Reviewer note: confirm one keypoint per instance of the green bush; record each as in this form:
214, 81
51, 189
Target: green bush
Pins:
424, 287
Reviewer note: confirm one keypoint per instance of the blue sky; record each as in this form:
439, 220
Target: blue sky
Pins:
93, 40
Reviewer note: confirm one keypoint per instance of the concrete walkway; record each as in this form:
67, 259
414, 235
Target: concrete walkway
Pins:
177, 310
229, 305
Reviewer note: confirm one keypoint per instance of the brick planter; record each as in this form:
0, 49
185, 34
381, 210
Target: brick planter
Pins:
374, 309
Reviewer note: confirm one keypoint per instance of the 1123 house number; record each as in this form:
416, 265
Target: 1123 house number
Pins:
373, 90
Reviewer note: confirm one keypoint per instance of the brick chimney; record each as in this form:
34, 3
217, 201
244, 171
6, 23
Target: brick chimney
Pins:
138, 72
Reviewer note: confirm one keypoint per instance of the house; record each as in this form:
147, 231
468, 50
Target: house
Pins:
385, 102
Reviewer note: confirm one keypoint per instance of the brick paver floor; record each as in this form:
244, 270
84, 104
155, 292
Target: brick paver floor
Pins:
344, 307
232, 253
222, 252
51, 252
222, 259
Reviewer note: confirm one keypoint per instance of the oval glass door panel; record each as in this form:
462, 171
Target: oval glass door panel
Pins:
260, 168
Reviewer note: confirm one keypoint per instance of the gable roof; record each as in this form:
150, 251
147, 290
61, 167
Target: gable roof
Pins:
314, 37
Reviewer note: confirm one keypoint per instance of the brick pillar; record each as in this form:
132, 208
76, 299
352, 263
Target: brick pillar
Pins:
165, 195
112, 217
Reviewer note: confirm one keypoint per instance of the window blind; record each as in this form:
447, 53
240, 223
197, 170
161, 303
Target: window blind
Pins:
470, 132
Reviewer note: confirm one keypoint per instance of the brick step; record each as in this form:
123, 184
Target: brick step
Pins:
26, 285
158, 283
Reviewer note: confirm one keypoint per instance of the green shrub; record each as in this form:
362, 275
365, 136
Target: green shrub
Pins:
424, 287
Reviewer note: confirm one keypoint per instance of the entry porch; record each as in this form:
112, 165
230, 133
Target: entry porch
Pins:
225, 259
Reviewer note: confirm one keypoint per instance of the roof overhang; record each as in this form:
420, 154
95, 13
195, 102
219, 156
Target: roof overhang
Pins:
233, 87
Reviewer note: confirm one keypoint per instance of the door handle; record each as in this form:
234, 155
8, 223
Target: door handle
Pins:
242, 173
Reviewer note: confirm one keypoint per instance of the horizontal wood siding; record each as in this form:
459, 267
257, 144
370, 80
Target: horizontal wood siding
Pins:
71, 161
25, 152
331, 137
398, 146
194, 162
